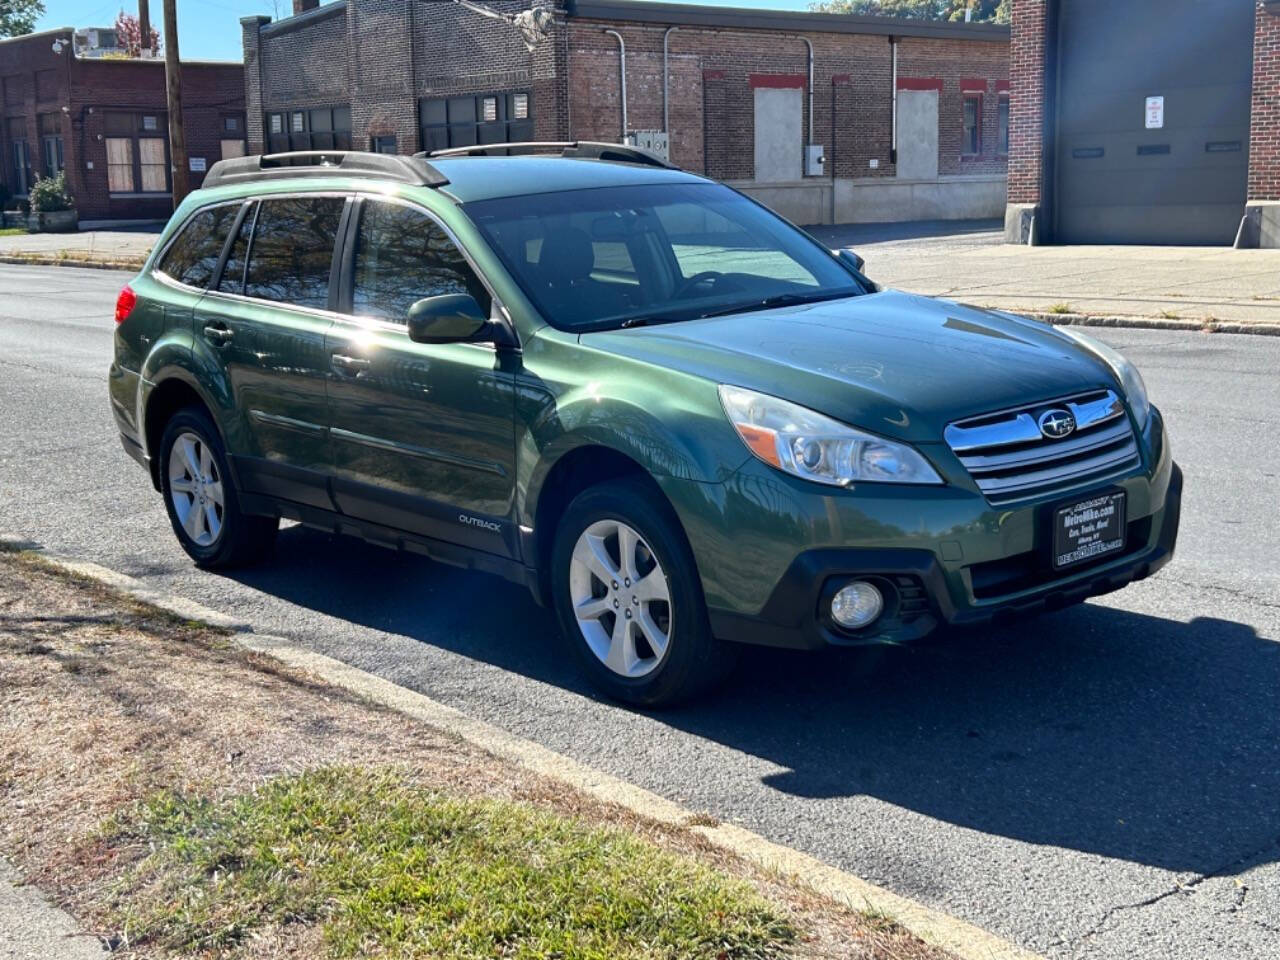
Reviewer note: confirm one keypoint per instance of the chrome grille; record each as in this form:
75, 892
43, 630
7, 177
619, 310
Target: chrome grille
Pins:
1010, 459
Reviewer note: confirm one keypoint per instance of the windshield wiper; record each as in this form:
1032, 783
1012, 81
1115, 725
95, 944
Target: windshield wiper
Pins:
781, 300
646, 322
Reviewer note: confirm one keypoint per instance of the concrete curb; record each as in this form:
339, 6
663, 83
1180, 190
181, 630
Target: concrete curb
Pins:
961, 938
44, 261
1157, 323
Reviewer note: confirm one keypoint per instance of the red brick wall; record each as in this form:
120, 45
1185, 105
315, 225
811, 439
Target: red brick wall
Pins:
381, 56
33, 82
1026, 105
81, 91
712, 105
209, 92
326, 60
1264, 144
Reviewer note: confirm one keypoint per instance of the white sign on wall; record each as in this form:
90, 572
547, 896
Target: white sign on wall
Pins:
1155, 113
197, 164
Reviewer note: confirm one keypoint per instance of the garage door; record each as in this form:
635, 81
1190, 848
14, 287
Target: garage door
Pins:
1153, 120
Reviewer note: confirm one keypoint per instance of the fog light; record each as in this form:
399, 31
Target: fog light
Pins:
856, 605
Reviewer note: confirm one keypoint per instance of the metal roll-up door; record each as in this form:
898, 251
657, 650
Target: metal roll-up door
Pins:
1153, 120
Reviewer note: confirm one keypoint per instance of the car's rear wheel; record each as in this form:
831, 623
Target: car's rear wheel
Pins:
201, 499
629, 599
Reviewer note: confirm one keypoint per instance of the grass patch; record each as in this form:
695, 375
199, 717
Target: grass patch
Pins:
1061, 308
1168, 314
13, 231
388, 869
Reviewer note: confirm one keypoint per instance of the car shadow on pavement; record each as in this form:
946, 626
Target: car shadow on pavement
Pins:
1095, 729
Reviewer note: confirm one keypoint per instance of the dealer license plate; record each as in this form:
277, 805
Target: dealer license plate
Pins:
1089, 529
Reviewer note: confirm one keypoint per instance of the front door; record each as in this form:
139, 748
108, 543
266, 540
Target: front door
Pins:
423, 435
267, 322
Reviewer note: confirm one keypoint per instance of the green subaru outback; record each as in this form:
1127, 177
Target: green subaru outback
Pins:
675, 417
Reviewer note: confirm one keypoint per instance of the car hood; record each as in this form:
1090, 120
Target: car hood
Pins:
893, 363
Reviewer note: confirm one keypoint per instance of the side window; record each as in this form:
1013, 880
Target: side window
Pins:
292, 250
971, 140
232, 280
402, 256
193, 255
1003, 134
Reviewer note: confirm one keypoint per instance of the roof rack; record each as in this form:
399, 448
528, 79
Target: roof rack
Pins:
581, 149
325, 163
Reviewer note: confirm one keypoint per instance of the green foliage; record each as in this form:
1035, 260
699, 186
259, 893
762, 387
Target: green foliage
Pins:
984, 11
49, 194
389, 870
19, 16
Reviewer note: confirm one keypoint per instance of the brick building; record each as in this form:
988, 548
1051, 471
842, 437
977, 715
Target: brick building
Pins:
1163, 126
104, 121
910, 117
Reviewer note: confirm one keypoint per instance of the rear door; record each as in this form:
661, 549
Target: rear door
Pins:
266, 323
423, 435
190, 262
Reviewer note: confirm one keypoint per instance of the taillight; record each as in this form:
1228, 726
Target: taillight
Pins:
125, 303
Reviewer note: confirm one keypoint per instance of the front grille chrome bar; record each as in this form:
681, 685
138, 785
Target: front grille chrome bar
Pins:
1019, 426
1010, 459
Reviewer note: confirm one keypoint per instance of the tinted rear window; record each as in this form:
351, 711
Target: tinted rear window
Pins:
232, 280
193, 255
292, 250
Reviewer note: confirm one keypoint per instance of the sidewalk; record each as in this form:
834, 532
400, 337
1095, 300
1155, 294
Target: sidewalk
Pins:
969, 262
33, 929
123, 248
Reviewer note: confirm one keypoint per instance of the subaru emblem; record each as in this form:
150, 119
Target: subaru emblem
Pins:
1056, 424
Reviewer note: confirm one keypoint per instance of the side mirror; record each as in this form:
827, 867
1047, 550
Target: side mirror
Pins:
448, 318
851, 259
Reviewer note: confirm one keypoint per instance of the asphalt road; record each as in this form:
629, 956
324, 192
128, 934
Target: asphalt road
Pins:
1104, 782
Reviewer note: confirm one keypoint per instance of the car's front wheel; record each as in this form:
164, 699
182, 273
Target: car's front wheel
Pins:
201, 498
629, 599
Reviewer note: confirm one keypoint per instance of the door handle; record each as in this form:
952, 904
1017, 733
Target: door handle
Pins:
219, 335
351, 366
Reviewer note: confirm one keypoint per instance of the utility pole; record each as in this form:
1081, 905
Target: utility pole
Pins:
144, 27
173, 88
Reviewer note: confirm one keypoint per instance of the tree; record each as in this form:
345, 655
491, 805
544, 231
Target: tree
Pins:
129, 35
19, 16
982, 11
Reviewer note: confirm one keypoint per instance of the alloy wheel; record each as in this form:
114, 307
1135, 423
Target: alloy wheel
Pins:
195, 489
621, 598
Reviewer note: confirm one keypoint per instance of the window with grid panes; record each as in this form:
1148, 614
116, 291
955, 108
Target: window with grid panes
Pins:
475, 119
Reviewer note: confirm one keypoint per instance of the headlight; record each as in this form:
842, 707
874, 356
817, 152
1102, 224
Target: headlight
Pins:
1135, 388
808, 445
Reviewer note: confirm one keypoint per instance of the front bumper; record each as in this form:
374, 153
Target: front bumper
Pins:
772, 552
921, 598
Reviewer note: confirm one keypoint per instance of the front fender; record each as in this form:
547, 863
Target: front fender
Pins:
671, 436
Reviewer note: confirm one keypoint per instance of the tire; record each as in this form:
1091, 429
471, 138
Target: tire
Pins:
201, 498
663, 652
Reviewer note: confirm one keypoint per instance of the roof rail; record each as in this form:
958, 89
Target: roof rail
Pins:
582, 149
325, 163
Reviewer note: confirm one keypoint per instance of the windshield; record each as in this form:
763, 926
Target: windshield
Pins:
625, 256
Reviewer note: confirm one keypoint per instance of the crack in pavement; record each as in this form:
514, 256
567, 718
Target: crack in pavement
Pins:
1229, 591
1186, 888
51, 370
